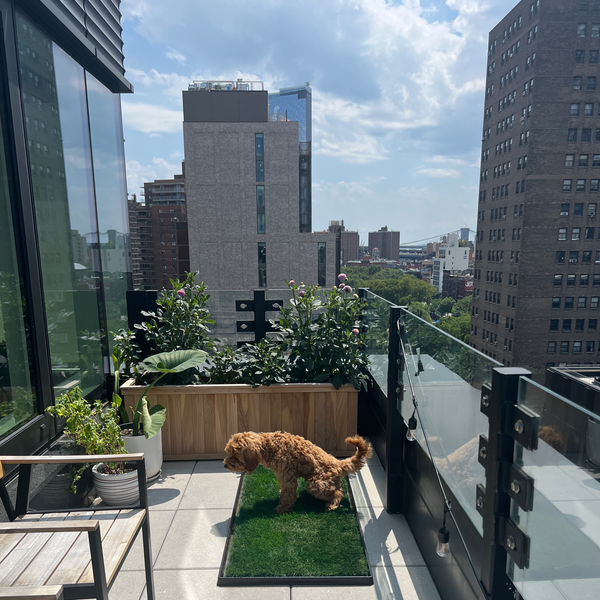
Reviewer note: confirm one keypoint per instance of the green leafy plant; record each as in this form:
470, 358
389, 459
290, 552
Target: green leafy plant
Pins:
94, 428
181, 319
126, 353
322, 336
263, 363
164, 363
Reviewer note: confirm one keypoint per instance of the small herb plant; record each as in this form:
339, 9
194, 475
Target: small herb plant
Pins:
94, 428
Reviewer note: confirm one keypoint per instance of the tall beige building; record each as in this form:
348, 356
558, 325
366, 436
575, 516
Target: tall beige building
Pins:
243, 193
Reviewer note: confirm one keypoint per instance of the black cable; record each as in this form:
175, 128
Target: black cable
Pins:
447, 503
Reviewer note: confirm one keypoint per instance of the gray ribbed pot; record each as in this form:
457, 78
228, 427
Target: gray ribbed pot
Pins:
116, 490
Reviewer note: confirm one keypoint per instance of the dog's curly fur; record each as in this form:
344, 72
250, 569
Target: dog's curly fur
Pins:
291, 456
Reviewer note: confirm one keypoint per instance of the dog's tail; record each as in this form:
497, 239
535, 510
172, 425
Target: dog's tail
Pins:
357, 462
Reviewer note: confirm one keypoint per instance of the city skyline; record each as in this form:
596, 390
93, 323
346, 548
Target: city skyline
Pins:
397, 95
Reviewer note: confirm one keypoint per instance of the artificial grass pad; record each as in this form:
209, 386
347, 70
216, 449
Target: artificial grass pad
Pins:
309, 542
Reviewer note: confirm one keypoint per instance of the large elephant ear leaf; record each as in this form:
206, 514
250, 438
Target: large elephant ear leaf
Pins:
175, 361
153, 418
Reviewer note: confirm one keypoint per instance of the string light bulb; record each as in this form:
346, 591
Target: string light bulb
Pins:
412, 425
443, 544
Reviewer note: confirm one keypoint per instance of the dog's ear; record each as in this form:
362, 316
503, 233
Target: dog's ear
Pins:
251, 458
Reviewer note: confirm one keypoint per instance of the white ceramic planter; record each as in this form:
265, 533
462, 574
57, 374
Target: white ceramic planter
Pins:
116, 490
152, 449
592, 443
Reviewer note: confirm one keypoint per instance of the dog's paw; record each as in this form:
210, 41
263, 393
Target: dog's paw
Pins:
281, 510
329, 507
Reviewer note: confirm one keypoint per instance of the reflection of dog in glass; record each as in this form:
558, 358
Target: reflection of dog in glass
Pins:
291, 456
551, 437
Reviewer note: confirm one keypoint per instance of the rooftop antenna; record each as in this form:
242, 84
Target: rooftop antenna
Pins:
307, 83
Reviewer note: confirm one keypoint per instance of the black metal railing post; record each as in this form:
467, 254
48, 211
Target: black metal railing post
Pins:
394, 480
508, 422
259, 306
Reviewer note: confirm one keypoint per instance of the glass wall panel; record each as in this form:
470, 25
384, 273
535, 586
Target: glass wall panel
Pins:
54, 104
111, 200
377, 320
447, 376
564, 525
18, 401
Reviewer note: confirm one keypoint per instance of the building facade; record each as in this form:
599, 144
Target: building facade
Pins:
537, 267
242, 174
349, 241
387, 242
65, 261
451, 257
159, 243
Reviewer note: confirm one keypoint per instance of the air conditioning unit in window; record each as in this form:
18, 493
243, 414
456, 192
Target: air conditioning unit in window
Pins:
523, 119
505, 346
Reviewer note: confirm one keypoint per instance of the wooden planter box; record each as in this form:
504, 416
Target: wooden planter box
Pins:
202, 418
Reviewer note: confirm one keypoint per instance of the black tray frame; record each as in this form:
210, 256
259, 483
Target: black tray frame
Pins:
223, 581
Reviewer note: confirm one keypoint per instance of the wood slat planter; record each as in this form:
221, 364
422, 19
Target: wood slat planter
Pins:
202, 418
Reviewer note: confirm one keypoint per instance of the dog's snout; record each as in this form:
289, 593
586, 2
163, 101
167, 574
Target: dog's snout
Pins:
224, 465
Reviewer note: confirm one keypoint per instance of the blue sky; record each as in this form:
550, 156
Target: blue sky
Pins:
398, 92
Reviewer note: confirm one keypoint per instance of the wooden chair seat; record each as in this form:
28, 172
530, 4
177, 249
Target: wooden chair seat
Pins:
53, 592
78, 554
60, 558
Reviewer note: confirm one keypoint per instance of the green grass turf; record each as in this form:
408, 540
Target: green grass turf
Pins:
309, 542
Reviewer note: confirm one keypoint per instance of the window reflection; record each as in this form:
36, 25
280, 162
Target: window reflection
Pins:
18, 403
54, 103
111, 200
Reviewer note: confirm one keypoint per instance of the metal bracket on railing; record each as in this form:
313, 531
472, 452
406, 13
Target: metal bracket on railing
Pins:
522, 424
482, 454
486, 398
517, 484
515, 541
259, 306
480, 498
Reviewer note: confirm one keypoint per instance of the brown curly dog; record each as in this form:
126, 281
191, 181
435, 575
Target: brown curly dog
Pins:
291, 456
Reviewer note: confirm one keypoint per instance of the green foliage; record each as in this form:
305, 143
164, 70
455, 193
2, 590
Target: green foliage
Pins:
164, 363
322, 337
307, 542
462, 307
126, 353
318, 341
458, 327
256, 364
440, 307
181, 319
95, 429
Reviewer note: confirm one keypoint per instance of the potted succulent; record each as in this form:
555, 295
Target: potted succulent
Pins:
96, 430
143, 434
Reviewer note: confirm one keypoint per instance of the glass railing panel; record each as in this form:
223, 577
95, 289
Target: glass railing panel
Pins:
447, 376
564, 525
377, 320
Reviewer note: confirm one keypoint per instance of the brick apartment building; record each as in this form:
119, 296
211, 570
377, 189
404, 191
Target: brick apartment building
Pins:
159, 238
537, 267
387, 242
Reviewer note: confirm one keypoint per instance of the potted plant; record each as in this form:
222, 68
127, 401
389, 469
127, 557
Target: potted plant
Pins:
143, 434
305, 382
96, 430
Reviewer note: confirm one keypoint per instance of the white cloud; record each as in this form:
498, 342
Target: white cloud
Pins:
437, 173
360, 150
137, 173
174, 55
341, 188
447, 159
151, 118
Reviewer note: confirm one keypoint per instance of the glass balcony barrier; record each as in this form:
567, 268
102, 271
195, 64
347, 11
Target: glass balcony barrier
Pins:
447, 376
564, 525
377, 321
